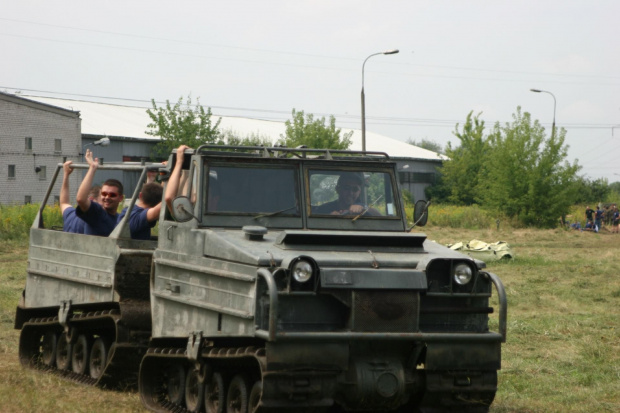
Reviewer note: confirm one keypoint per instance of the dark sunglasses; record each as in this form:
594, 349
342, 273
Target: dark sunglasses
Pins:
109, 194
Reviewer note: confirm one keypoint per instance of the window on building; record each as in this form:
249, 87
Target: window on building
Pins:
56, 199
11, 171
28, 146
28, 199
58, 145
42, 173
416, 177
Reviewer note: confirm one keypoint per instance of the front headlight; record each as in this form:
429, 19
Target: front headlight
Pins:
462, 274
302, 271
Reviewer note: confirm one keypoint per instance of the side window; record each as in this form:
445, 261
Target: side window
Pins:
28, 199
58, 145
11, 172
42, 173
28, 144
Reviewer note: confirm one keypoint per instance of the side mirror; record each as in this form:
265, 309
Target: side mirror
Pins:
182, 209
420, 213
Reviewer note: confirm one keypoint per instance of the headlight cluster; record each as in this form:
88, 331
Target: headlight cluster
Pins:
302, 271
303, 274
462, 274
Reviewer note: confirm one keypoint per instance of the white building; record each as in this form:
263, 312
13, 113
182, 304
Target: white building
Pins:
126, 127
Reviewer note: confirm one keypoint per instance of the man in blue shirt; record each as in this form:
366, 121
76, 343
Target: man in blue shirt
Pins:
145, 213
99, 219
598, 217
71, 223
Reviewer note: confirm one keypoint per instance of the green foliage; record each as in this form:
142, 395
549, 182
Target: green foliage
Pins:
181, 124
228, 137
526, 175
313, 133
515, 171
463, 172
591, 191
426, 144
16, 220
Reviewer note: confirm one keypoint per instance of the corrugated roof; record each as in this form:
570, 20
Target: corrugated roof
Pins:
131, 121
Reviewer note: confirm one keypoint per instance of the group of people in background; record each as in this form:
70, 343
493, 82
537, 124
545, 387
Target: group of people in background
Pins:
597, 219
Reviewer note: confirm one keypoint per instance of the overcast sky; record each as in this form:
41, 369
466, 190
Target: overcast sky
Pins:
261, 59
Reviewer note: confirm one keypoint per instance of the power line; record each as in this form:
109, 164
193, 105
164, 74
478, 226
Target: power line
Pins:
377, 120
339, 57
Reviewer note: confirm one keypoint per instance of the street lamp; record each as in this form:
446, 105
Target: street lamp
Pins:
364, 98
552, 95
105, 141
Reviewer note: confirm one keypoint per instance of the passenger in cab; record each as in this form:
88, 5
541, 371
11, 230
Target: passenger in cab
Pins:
145, 213
100, 219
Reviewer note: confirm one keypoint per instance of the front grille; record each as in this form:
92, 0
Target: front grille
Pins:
385, 311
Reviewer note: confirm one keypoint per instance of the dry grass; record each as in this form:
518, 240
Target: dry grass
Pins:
562, 354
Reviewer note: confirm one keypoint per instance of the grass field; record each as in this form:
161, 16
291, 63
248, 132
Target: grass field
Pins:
562, 354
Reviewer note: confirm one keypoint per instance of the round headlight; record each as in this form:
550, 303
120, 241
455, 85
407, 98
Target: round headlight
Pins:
462, 274
302, 271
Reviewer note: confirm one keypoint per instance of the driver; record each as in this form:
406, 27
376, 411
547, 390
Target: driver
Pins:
349, 188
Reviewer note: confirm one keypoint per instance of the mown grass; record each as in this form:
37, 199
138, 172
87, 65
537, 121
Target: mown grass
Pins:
562, 352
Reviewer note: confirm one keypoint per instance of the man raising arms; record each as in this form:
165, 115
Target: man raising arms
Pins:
99, 219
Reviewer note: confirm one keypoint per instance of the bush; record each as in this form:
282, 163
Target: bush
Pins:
16, 220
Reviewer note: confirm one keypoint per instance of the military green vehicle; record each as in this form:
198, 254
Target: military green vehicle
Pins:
85, 310
287, 280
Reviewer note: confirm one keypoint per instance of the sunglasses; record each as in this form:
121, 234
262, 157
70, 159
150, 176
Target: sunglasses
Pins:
109, 194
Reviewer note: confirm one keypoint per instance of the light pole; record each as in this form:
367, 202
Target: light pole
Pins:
364, 98
552, 95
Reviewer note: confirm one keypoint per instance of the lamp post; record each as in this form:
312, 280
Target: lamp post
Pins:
394, 51
554, 103
105, 141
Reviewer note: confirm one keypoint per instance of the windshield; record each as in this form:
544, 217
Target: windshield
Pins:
352, 193
252, 190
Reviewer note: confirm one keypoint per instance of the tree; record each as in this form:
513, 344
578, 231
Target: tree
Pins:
462, 172
313, 133
526, 175
229, 137
426, 144
181, 124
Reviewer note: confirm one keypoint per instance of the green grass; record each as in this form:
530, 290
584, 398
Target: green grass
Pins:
563, 347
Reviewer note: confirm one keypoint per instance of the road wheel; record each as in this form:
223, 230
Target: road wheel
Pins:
63, 353
175, 384
98, 357
255, 395
194, 390
237, 398
80, 354
215, 394
48, 348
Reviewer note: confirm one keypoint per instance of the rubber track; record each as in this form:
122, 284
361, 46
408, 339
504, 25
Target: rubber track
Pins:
121, 369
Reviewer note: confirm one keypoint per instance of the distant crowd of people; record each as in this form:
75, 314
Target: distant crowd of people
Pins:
596, 220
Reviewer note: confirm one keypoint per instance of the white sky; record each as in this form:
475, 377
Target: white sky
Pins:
262, 58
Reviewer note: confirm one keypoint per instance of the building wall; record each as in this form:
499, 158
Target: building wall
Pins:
44, 124
415, 175
120, 149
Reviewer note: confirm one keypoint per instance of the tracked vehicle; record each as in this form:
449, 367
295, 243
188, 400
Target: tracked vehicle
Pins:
85, 310
264, 300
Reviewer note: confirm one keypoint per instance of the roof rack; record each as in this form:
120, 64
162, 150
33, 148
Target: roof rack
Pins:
282, 151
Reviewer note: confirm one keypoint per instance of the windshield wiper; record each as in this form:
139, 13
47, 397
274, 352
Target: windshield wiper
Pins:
367, 208
270, 214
